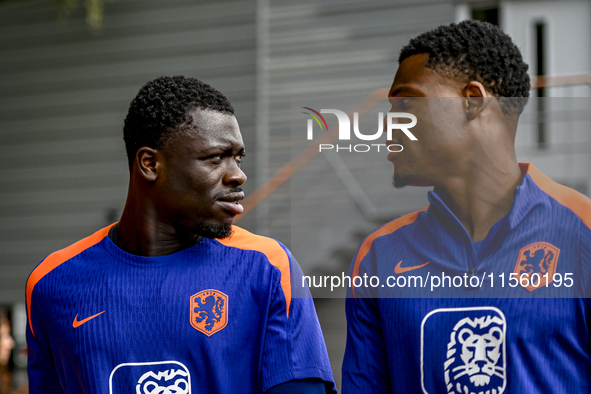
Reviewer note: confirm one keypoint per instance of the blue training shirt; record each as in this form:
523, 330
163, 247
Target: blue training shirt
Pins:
218, 317
489, 339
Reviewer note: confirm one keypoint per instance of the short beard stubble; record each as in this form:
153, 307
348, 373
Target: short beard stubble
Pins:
208, 230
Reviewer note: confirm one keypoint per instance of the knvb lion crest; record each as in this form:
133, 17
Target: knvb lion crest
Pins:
209, 311
475, 362
538, 258
463, 351
170, 381
157, 377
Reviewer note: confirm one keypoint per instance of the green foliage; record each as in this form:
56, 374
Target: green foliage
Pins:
94, 11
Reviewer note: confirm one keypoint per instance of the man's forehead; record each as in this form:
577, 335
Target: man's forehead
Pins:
208, 121
207, 118
210, 130
412, 68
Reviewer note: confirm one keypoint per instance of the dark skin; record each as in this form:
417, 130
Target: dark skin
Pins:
465, 146
191, 183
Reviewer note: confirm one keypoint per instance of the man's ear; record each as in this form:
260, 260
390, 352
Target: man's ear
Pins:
475, 99
147, 162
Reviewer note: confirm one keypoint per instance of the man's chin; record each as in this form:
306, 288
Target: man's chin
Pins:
399, 181
211, 230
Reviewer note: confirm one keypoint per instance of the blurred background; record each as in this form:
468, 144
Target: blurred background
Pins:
69, 68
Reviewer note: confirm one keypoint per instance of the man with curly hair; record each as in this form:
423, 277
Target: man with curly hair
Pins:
173, 298
469, 301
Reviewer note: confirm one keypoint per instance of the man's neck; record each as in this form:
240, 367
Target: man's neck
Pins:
482, 198
141, 233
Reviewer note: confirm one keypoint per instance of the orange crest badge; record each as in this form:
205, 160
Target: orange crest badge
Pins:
538, 258
209, 311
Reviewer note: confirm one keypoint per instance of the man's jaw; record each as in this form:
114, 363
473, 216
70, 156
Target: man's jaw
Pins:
400, 181
211, 230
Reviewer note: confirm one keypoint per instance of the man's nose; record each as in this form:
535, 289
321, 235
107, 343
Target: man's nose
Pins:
235, 175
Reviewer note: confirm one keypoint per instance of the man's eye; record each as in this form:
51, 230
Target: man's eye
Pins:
400, 104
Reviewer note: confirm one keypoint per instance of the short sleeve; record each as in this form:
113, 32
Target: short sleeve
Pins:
294, 347
365, 365
43, 378
585, 251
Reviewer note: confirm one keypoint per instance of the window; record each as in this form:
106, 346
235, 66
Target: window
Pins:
486, 14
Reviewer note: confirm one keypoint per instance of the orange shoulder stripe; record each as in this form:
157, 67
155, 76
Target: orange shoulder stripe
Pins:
572, 199
387, 228
246, 240
57, 258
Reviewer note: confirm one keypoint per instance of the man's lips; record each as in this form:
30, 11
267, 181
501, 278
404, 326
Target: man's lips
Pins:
231, 202
392, 155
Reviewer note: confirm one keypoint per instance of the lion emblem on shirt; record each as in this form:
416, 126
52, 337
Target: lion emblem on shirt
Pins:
537, 262
475, 359
165, 382
209, 311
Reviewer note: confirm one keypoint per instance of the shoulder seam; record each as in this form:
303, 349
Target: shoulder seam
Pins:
244, 240
569, 198
275, 253
386, 229
57, 258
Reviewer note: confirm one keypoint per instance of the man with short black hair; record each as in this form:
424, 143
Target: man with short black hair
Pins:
489, 218
174, 298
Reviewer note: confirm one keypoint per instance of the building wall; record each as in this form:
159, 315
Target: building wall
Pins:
567, 156
568, 35
64, 93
